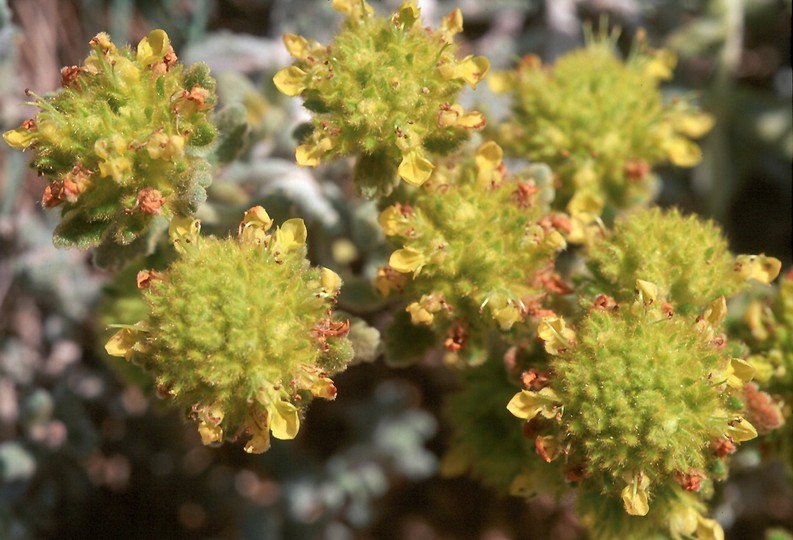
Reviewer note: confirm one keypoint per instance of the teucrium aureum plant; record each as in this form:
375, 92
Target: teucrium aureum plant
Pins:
118, 143
618, 363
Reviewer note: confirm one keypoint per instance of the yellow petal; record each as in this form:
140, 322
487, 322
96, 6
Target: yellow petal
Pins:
308, 155
471, 120
693, 124
259, 442
121, 343
329, 280
415, 169
290, 81
741, 430
554, 240
352, 8
451, 25
153, 48
586, 205
635, 499
408, 14
19, 138
709, 529
296, 45
284, 420
554, 332
407, 260
258, 217
390, 219
471, 69
661, 65
487, 159
758, 267
507, 316
418, 314
183, 232
647, 292
683, 152
742, 372
291, 235
716, 312
527, 404
210, 434
683, 521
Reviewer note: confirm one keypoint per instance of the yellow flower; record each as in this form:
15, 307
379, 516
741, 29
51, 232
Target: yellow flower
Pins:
153, 48
693, 124
291, 235
297, 46
210, 434
414, 168
554, 332
527, 404
741, 430
19, 138
290, 81
635, 496
487, 159
308, 155
352, 8
682, 152
451, 25
419, 314
407, 260
471, 69
709, 529
758, 267
121, 343
183, 232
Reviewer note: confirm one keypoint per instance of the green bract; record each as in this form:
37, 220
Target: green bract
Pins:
480, 247
240, 331
118, 142
385, 91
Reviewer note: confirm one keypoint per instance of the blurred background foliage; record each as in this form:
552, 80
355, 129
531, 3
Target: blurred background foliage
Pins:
85, 452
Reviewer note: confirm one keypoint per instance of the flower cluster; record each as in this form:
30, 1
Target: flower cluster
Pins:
476, 249
384, 90
601, 124
686, 258
240, 331
646, 397
117, 143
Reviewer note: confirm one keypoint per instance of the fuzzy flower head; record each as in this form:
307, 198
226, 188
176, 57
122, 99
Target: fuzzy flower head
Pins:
685, 257
638, 401
600, 123
475, 249
385, 91
240, 331
117, 142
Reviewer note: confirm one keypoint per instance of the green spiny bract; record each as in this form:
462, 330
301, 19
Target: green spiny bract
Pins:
642, 401
480, 247
240, 331
600, 124
384, 90
117, 142
687, 258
